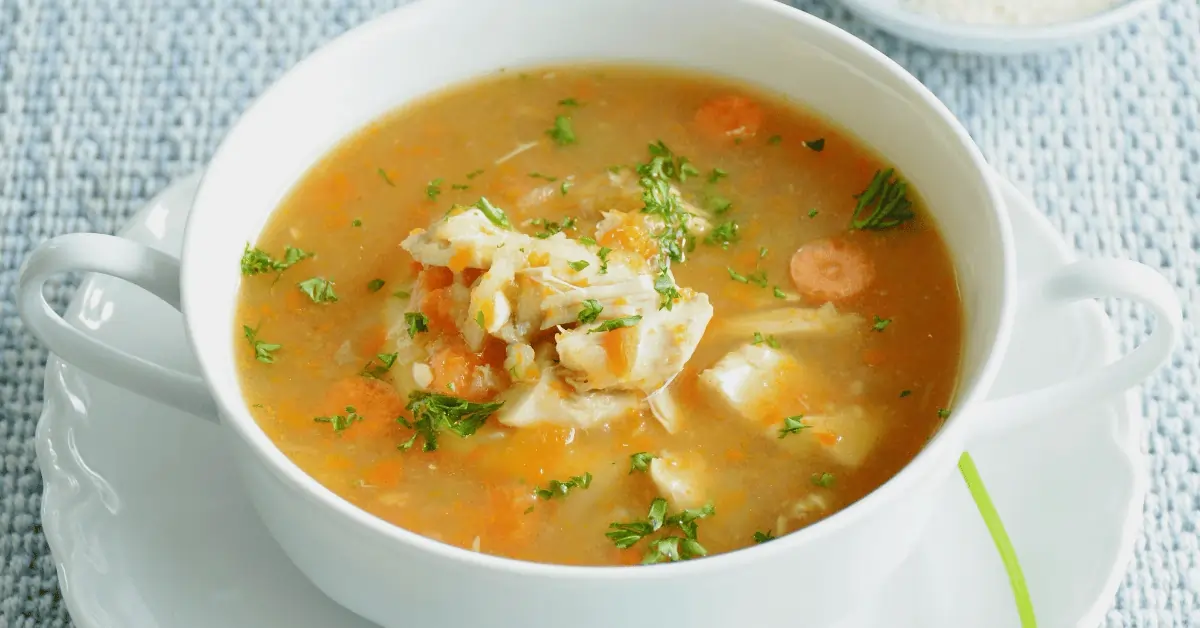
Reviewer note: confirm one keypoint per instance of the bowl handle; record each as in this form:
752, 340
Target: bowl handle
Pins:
141, 265
1090, 279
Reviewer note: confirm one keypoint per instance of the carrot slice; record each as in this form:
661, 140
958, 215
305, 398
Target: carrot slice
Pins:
831, 270
455, 369
729, 116
375, 401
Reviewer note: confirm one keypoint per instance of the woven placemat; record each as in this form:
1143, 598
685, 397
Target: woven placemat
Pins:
103, 102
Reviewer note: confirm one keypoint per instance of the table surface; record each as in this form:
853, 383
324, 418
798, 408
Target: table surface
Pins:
103, 102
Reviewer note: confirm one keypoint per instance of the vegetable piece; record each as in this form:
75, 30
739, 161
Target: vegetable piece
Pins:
883, 204
831, 270
380, 365
723, 235
763, 537
824, 480
562, 132
881, 323
578, 265
433, 412
816, 145
562, 489
668, 548
263, 351
341, 421
792, 425
716, 175
384, 175
319, 289
433, 189
729, 117
375, 284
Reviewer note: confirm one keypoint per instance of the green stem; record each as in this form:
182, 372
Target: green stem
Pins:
1008, 555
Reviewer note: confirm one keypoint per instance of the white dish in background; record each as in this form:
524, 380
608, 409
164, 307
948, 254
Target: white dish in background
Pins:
147, 531
995, 39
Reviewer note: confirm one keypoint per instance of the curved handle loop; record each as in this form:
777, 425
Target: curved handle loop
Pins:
1091, 279
141, 265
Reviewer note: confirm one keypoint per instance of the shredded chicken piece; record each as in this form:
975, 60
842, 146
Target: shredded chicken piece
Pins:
681, 478
790, 321
551, 401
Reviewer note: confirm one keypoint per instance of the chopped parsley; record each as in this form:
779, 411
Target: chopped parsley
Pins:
661, 201
341, 421
823, 480
474, 173
569, 102
561, 132
718, 204
590, 312
375, 285
640, 461
588, 240
356, 223
736, 276
319, 289
384, 175
433, 412
544, 177
578, 265
881, 323
669, 548
256, 261
905, 393
762, 252
562, 489
379, 365
716, 175
943, 413
566, 185
479, 320
459, 186
759, 339
812, 213
603, 255
774, 139
616, 323
402, 294
550, 227
816, 145
262, 350
494, 214
417, 323
433, 189
792, 425
779, 294
763, 537
723, 235
883, 204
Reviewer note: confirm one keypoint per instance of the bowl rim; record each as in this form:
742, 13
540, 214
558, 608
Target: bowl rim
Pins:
950, 437
898, 19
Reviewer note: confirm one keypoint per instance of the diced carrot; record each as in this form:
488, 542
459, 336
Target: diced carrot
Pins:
371, 341
729, 117
438, 307
828, 439
469, 275
435, 277
831, 270
459, 259
385, 473
615, 343
455, 368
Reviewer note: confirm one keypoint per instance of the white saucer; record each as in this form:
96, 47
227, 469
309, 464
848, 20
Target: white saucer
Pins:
149, 526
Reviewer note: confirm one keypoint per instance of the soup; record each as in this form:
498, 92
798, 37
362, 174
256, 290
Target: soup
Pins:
600, 316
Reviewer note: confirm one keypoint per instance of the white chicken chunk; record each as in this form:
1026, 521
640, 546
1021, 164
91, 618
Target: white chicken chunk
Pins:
750, 379
464, 240
551, 401
847, 435
791, 321
681, 479
644, 356
491, 305
620, 298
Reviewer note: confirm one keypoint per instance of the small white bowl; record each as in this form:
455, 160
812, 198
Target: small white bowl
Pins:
993, 39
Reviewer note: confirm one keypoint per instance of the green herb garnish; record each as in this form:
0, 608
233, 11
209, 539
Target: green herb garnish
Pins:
883, 204
718, 204
812, 213
881, 323
474, 173
816, 145
792, 425
723, 235
341, 421
716, 175
417, 323
603, 255
262, 350
494, 214
433, 189
562, 489
668, 548
356, 223
561, 132
578, 265
763, 537
380, 365
479, 320
459, 186
824, 480
905, 393
943, 413
433, 412
256, 261
564, 186
544, 177
590, 312
640, 461
774, 139
770, 341
550, 227
569, 102
616, 323
375, 284
384, 175
319, 289
402, 294
779, 294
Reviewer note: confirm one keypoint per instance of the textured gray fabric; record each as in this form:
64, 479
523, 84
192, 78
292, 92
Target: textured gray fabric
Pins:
103, 102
